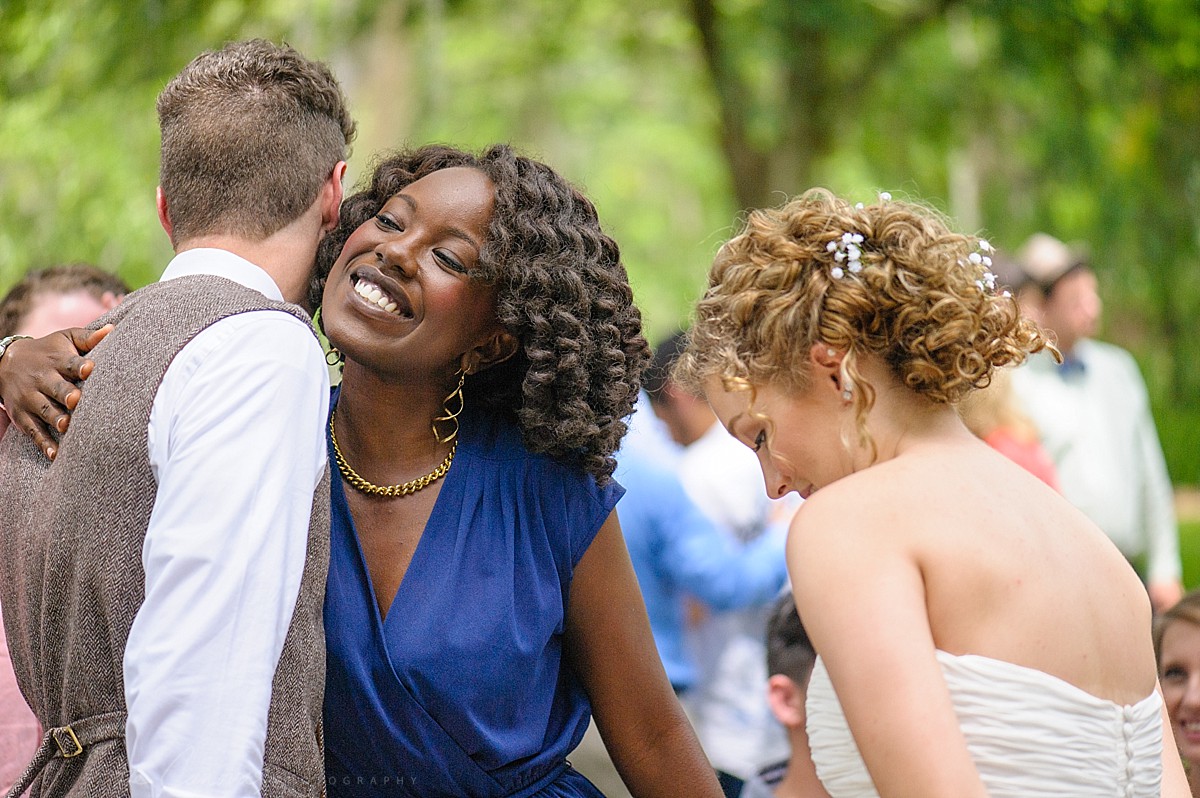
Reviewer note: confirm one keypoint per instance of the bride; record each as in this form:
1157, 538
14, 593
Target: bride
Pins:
977, 635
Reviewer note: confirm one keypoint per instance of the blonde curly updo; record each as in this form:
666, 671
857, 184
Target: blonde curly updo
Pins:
920, 302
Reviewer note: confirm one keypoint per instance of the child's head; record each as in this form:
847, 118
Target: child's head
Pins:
789, 651
790, 660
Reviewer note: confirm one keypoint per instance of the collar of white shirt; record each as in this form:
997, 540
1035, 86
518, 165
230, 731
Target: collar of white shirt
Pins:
222, 263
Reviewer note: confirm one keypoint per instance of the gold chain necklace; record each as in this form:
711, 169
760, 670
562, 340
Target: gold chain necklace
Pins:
370, 488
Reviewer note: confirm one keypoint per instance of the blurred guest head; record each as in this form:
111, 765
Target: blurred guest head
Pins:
1066, 300
684, 412
1177, 647
46, 300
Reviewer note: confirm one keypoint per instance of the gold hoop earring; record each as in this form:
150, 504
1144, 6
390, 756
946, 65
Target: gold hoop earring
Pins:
334, 356
455, 397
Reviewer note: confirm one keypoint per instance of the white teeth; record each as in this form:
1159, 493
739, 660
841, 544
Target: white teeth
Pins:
375, 295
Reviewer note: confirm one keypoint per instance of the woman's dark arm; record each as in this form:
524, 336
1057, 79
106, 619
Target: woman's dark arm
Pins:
39, 381
612, 650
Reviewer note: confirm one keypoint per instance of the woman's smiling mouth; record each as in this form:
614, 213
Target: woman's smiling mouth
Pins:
374, 294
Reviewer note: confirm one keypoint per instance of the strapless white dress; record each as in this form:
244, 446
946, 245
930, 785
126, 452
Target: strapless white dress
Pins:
1031, 735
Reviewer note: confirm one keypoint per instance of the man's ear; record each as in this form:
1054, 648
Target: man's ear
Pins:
109, 300
499, 347
331, 197
164, 213
786, 700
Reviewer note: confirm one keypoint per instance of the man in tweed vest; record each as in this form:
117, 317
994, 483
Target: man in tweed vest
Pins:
162, 579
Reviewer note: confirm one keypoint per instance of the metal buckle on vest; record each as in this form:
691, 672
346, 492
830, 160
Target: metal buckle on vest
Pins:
64, 737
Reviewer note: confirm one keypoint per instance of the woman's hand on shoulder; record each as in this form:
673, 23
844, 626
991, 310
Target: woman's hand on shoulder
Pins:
39, 381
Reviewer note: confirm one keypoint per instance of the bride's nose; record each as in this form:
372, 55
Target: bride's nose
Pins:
775, 481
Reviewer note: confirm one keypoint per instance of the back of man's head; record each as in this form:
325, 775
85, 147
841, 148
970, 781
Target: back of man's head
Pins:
789, 651
250, 133
658, 375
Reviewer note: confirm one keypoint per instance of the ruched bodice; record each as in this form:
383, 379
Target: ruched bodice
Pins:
1031, 735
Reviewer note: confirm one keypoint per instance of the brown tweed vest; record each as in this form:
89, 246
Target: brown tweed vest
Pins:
71, 578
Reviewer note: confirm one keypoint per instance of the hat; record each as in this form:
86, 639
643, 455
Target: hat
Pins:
1044, 260
1009, 273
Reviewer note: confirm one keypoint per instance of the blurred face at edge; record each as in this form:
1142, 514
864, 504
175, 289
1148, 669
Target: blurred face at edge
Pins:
1179, 674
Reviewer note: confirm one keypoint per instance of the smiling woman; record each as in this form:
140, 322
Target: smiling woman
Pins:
1177, 645
481, 604
405, 294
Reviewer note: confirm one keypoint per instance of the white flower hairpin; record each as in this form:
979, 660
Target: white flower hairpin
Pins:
846, 250
883, 197
981, 257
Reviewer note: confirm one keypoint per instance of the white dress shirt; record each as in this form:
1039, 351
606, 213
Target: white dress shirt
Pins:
722, 476
237, 445
1096, 425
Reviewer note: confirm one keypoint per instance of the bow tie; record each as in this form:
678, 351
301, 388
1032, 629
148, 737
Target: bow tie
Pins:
1071, 367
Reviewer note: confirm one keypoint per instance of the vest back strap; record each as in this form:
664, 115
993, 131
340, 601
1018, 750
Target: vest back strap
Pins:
67, 742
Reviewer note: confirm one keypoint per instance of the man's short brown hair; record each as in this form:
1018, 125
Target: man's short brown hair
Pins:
249, 134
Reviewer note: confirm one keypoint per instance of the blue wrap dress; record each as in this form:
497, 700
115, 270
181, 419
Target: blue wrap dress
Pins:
462, 689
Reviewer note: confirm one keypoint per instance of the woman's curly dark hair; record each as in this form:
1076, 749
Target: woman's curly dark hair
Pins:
561, 290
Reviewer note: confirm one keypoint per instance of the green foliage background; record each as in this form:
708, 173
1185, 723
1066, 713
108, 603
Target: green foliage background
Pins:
1078, 117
